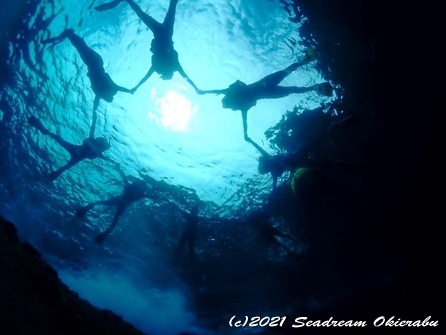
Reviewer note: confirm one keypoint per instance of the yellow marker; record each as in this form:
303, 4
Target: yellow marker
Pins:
297, 174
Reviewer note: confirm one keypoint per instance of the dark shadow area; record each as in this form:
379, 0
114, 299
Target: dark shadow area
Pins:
35, 301
383, 219
367, 242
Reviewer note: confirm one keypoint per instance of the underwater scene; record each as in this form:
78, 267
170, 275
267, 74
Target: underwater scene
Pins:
190, 164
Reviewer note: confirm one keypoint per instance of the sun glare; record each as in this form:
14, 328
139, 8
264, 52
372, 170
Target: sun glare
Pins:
172, 110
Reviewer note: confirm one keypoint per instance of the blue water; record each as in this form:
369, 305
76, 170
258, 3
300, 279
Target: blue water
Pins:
165, 131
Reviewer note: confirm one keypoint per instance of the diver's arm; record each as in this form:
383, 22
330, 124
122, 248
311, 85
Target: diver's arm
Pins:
147, 76
222, 91
259, 148
124, 89
245, 125
96, 103
93, 124
274, 182
185, 76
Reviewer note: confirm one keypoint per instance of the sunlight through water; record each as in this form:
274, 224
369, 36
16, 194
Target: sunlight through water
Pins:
164, 130
179, 136
174, 110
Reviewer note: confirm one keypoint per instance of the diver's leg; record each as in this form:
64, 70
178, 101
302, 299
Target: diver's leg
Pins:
57, 39
149, 21
102, 236
277, 92
275, 78
36, 123
90, 57
169, 20
55, 174
80, 212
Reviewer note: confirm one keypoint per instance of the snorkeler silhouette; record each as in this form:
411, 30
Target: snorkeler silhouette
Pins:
278, 164
91, 148
164, 57
101, 83
260, 220
189, 234
132, 192
241, 96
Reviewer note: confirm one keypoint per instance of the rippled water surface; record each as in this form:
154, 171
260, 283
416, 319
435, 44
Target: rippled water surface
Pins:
165, 131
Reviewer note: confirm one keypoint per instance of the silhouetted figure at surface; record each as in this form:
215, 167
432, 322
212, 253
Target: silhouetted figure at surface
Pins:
189, 235
164, 57
260, 220
241, 96
276, 165
132, 192
91, 148
101, 83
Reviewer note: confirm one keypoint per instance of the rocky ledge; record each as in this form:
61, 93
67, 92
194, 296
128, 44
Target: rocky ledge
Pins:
33, 300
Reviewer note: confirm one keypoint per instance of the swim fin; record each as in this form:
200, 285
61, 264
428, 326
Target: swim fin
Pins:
102, 236
108, 5
80, 212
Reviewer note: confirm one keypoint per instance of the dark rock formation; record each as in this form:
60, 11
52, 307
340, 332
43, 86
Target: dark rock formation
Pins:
33, 300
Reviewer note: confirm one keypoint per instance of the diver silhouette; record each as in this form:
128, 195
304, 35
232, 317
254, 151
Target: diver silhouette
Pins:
260, 220
164, 57
91, 147
132, 192
189, 234
241, 96
276, 165
101, 83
